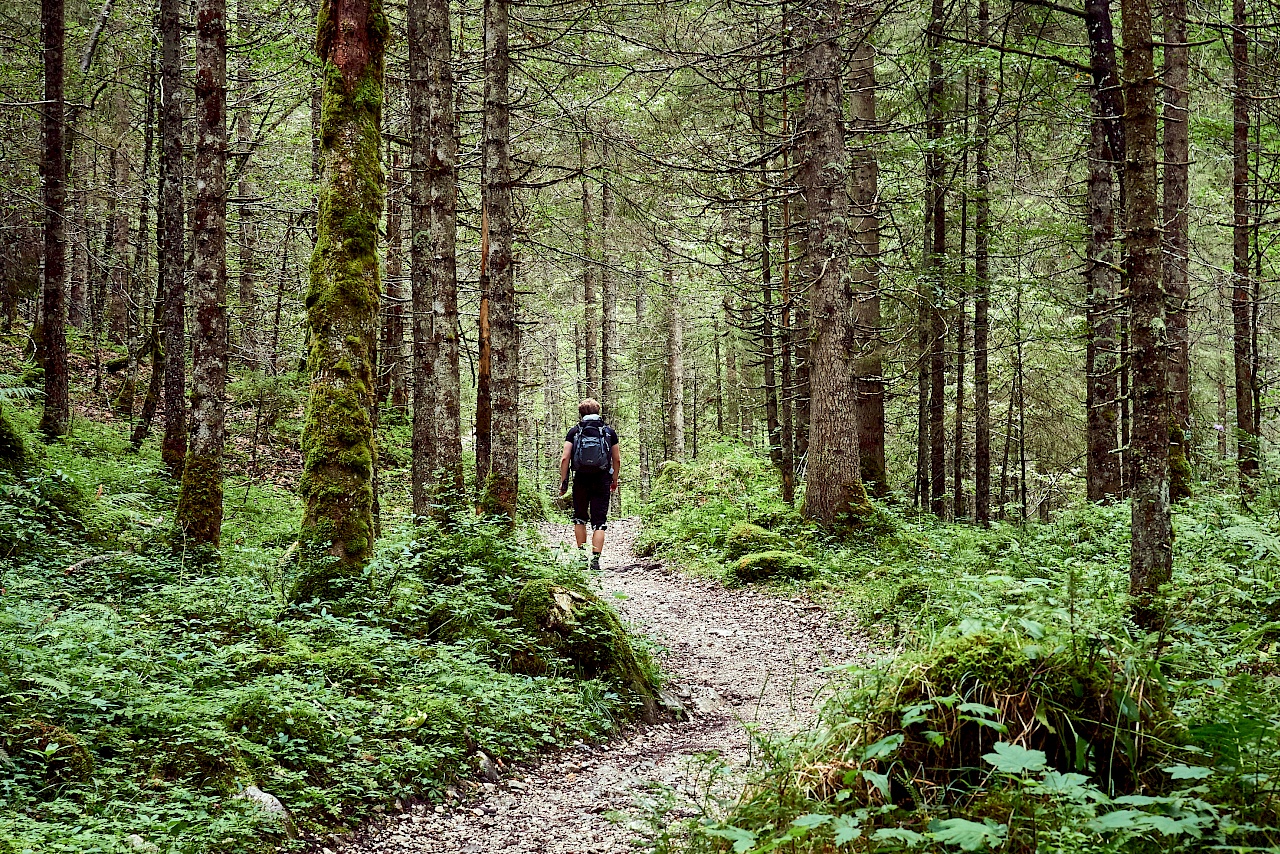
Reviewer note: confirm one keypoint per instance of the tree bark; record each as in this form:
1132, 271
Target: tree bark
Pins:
1242, 290
500, 495
1151, 555
173, 448
56, 417
936, 261
590, 304
200, 500
1103, 479
1177, 240
342, 304
834, 494
250, 333
393, 387
608, 299
865, 271
982, 286
675, 359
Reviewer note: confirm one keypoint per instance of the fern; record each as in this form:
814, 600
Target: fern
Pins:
11, 389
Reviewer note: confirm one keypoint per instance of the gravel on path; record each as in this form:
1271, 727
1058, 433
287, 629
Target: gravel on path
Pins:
733, 658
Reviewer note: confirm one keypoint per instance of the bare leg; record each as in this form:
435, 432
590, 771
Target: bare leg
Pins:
580, 535
597, 541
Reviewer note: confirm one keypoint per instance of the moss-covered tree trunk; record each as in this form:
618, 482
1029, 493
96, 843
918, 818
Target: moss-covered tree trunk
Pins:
342, 303
500, 492
834, 493
200, 502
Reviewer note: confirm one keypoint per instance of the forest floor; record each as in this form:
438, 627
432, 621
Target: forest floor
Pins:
737, 659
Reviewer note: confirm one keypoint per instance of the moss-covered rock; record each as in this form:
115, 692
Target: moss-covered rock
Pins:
762, 566
13, 451
60, 756
577, 626
745, 538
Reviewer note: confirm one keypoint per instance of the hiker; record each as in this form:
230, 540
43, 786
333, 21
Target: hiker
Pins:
591, 450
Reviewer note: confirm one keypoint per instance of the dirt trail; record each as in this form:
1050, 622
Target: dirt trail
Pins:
733, 657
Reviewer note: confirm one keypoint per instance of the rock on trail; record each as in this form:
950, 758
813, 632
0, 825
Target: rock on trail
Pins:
732, 658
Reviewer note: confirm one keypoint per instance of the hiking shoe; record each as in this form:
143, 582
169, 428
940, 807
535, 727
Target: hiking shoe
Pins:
595, 562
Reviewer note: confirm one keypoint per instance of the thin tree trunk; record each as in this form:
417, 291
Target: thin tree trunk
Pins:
342, 304
982, 287
393, 387
250, 334
200, 501
642, 405
1242, 291
733, 401
500, 496
935, 168
769, 363
609, 299
1151, 552
834, 494
864, 273
675, 360
1177, 239
56, 417
590, 301
1103, 478
173, 449
122, 283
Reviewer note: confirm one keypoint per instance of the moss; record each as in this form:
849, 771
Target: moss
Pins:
577, 626
200, 753
13, 451
745, 538
199, 514
772, 564
61, 757
1180, 473
270, 718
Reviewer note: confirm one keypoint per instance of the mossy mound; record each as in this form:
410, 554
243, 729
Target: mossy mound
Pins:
744, 538
60, 756
762, 566
13, 451
947, 707
577, 626
197, 752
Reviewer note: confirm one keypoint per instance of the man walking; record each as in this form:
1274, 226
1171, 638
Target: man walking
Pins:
591, 450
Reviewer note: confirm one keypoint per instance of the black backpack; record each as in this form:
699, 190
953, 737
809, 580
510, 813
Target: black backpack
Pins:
591, 449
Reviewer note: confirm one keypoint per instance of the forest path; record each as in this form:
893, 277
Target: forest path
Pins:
734, 658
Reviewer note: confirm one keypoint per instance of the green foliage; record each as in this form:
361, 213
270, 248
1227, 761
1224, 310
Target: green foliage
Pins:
744, 538
761, 566
139, 693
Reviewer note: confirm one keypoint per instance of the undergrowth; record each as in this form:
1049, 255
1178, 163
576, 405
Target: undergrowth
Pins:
1020, 709
140, 693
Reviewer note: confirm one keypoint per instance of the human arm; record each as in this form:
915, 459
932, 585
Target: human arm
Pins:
617, 466
564, 467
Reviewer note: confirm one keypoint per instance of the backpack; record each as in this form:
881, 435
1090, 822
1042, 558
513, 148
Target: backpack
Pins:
591, 449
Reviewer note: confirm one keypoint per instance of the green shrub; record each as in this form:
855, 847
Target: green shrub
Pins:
763, 566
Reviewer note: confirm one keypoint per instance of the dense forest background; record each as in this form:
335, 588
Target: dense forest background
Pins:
956, 316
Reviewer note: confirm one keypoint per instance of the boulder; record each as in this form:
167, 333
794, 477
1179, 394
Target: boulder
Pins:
269, 804
745, 538
762, 566
577, 626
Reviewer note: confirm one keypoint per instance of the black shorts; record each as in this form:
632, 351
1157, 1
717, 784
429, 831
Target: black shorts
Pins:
591, 499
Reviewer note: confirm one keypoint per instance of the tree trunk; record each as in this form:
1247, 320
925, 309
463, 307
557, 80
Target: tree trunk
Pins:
122, 283
590, 304
936, 272
1242, 291
733, 400
56, 417
982, 287
868, 331
500, 496
675, 360
1151, 553
609, 300
1177, 240
834, 495
172, 238
250, 333
392, 374
769, 364
1103, 480
642, 407
200, 501
342, 304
